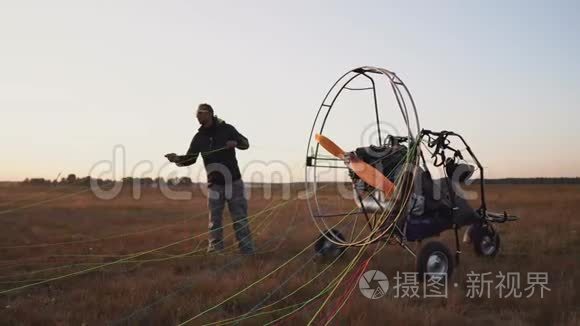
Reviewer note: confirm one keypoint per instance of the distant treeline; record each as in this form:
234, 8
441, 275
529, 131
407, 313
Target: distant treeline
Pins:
531, 181
72, 179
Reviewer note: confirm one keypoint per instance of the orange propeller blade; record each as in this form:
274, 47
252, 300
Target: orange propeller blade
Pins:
372, 176
365, 171
329, 145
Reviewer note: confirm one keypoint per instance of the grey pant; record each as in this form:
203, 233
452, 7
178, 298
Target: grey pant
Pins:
234, 195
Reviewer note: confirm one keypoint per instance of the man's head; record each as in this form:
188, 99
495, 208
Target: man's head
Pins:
204, 114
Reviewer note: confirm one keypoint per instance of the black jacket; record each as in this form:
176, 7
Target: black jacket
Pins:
220, 163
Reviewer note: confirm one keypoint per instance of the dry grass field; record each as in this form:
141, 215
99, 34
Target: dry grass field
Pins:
56, 242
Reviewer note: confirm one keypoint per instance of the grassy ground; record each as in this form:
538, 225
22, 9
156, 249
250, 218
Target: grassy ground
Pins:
78, 232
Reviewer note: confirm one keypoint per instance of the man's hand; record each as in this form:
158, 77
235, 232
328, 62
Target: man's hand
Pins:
231, 144
172, 157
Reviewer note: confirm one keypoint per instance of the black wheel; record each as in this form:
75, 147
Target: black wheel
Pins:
326, 248
486, 241
434, 260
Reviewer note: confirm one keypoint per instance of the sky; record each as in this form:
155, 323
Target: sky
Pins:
82, 80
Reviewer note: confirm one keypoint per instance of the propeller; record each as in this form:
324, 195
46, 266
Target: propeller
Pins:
363, 170
330, 146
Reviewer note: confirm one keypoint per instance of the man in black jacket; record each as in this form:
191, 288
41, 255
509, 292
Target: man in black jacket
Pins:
217, 141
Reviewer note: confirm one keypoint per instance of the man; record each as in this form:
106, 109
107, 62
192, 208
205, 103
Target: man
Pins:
217, 141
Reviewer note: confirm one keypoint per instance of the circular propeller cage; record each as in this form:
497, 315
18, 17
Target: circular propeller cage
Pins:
381, 211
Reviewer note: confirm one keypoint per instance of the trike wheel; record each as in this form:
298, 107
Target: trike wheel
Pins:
326, 248
434, 261
486, 241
